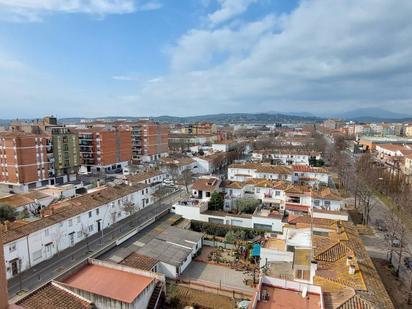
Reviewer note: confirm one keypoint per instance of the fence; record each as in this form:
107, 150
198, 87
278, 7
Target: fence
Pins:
216, 244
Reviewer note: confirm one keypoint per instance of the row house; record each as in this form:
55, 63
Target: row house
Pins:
69, 222
176, 166
246, 171
28, 204
282, 195
286, 157
310, 175
392, 150
211, 163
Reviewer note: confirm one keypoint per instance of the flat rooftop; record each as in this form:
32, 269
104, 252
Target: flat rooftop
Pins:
165, 252
290, 299
108, 282
275, 244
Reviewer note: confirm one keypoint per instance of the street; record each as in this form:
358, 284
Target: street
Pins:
90, 247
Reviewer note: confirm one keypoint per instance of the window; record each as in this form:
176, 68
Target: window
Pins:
37, 255
91, 228
70, 223
12, 247
90, 214
46, 232
316, 202
97, 211
277, 193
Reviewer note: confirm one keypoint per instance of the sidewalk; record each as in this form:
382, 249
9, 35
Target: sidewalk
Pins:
58, 264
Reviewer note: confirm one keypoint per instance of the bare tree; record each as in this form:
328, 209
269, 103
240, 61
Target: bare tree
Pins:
187, 178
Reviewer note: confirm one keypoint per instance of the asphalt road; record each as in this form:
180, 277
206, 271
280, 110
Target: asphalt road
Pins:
60, 263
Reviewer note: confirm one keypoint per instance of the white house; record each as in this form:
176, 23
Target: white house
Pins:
69, 222
203, 187
27, 204
310, 175
174, 248
224, 146
286, 157
176, 166
246, 171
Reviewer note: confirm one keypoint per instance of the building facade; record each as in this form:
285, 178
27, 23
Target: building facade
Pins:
25, 161
149, 141
66, 153
105, 150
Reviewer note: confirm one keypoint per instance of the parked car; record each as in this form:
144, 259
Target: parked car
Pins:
396, 243
168, 182
408, 262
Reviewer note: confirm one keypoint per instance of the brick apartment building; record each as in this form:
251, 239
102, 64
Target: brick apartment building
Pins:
150, 141
25, 161
105, 149
37, 153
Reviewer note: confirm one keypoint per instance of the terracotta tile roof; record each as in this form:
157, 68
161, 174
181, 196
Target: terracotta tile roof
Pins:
293, 207
176, 161
73, 208
206, 184
18, 200
108, 282
356, 302
139, 261
273, 169
318, 222
309, 169
298, 189
54, 296
326, 193
234, 185
364, 288
143, 176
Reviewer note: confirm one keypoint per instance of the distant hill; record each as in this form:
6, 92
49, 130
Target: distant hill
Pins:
372, 114
217, 118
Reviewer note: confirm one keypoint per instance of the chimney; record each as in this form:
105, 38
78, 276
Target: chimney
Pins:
352, 269
4, 297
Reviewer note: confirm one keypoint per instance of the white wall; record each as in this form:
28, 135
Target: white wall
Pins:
168, 270
32, 249
271, 255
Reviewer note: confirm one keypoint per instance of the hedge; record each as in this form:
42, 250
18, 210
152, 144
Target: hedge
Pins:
221, 229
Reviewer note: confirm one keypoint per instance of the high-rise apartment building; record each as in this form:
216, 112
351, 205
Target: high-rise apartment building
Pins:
63, 146
25, 161
105, 149
150, 141
66, 152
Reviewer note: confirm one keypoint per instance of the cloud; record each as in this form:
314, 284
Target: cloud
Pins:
228, 10
33, 10
313, 59
150, 6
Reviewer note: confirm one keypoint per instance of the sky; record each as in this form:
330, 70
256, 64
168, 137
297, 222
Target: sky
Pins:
90, 58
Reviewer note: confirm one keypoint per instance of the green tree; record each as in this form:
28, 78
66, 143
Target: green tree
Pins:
247, 206
230, 237
216, 201
7, 213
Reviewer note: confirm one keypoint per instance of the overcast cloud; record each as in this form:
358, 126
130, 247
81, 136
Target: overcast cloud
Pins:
324, 57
